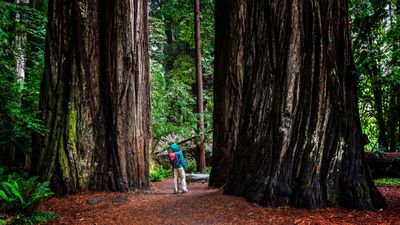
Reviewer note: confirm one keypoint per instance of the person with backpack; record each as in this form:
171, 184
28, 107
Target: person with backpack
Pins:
179, 166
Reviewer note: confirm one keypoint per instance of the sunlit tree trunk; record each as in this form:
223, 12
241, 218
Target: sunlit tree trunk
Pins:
20, 40
20, 67
95, 97
286, 123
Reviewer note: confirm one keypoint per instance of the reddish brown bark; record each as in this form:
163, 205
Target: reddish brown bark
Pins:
286, 123
201, 165
95, 97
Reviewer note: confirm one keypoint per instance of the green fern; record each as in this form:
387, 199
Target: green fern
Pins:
42, 190
12, 189
3, 195
19, 194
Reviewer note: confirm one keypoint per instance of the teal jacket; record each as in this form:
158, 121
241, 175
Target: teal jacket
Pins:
179, 154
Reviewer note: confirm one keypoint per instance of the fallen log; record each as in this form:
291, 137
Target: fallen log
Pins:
197, 176
386, 164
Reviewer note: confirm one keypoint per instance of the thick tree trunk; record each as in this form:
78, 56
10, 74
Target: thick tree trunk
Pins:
286, 123
228, 86
95, 97
201, 164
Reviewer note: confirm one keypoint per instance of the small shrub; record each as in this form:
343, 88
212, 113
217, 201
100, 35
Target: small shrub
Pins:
35, 218
159, 173
42, 216
208, 169
191, 167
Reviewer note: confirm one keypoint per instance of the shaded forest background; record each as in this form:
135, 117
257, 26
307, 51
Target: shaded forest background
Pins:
376, 39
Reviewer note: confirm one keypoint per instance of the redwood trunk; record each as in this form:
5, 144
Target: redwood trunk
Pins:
95, 97
286, 123
201, 164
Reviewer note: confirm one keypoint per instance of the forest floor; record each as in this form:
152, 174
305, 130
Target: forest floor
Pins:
202, 205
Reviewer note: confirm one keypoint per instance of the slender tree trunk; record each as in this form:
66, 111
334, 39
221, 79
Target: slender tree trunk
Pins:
393, 121
377, 90
201, 164
32, 3
20, 40
169, 48
95, 97
286, 122
17, 152
398, 120
396, 111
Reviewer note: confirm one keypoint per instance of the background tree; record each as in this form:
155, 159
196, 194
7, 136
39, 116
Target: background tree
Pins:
95, 97
286, 123
173, 68
375, 37
19, 97
199, 81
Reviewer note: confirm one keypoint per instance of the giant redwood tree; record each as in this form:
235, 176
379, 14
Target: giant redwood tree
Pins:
286, 123
95, 97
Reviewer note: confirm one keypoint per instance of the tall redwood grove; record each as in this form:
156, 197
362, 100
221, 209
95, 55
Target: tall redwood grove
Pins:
286, 123
95, 97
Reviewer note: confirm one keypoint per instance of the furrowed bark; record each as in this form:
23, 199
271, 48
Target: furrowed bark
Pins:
95, 97
286, 123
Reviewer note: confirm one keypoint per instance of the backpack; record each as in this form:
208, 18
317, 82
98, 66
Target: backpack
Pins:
174, 159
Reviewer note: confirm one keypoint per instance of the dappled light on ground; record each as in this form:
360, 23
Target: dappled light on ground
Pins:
202, 205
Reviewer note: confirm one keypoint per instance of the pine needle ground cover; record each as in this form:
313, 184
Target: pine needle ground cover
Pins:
203, 205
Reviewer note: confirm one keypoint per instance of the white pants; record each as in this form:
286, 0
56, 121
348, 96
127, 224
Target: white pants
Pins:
180, 172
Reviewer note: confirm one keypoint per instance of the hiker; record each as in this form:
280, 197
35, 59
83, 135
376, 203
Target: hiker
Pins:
179, 166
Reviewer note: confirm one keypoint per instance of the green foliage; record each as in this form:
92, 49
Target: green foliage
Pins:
19, 197
376, 36
172, 106
19, 97
388, 182
42, 216
191, 167
35, 218
208, 169
19, 194
159, 173
173, 67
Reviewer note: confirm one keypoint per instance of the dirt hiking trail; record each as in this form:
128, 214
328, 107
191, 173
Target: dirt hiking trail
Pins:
202, 205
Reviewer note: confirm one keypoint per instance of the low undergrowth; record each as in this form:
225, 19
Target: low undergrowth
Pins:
388, 181
19, 197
